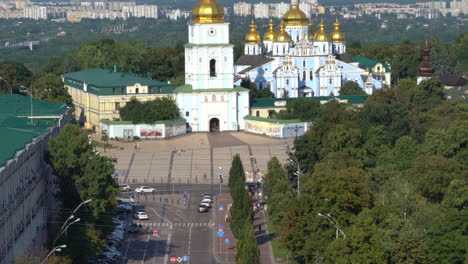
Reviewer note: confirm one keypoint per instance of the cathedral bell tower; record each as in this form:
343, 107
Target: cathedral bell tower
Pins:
209, 55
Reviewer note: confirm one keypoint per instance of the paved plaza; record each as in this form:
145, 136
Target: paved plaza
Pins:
193, 158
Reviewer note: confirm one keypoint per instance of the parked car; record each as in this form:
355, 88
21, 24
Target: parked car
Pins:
208, 197
207, 204
125, 187
123, 207
141, 215
206, 200
145, 189
126, 199
203, 208
133, 228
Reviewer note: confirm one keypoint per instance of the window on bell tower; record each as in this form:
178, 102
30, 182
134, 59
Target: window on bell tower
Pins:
212, 68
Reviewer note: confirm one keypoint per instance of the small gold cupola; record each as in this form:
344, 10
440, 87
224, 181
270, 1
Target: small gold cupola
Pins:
282, 35
208, 11
321, 35
337, 34
253, 37
270, 35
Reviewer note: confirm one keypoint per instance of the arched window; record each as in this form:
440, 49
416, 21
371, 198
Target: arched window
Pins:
311, 77
260, 85
331, 81
136, 90
287, 82
258, 113
303, 63
284, 50
297, 38
304, 75
212, 68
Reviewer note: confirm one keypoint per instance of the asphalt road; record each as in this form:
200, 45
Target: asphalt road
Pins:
182, 230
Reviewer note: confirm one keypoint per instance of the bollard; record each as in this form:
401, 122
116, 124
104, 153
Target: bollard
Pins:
160, 199
172, 201
179, 180
153, 180
146, 197
153, 197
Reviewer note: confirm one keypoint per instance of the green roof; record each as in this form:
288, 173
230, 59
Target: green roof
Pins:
120, 122
188, 89
272, 120
365, 63
270, 102
18, 105
109, 78
16, 129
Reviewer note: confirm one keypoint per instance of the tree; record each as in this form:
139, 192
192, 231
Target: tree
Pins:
432, 175
411, 248
241, 209
362, 245
300, 108
247, 248
277, 190
447, 239
351, 88
50, 87
162, 108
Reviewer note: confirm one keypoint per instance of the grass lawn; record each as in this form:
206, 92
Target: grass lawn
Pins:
280, 251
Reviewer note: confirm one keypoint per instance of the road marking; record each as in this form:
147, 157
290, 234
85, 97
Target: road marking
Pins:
144, 252
169, 221
189, 242
126, 251
168, 243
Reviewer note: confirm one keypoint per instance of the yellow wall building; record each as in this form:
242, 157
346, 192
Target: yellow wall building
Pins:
100, 93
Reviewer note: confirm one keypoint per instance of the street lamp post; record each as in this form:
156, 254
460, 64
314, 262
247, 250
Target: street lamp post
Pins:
295, 162
62, 229
55, 249
332, 220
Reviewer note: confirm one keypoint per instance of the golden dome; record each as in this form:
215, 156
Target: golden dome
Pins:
208, 11
253, 37
270, 35
337, 35
295, 17
321, 35
282, 35
311, 31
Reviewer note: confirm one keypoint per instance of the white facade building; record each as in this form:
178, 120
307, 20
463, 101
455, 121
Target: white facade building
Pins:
296, 61
35, 12
209, 101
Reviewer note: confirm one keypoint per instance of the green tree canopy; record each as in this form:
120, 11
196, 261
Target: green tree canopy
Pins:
351, 88
162, 108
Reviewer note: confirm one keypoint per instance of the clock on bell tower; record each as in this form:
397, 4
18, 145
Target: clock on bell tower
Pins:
209, 55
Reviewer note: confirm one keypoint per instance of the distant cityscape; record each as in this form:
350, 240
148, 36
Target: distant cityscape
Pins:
77, 10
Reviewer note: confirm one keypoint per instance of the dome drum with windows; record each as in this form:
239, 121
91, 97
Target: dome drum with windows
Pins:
208, 11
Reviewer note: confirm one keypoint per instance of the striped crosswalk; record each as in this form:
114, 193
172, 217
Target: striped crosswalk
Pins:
181, 224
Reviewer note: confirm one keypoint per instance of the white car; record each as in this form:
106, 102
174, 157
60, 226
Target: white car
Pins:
145, 189
207, 204
126, 199
125, 187
141, 215
207, 199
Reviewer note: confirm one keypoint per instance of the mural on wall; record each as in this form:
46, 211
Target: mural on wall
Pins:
264, 128
175, 129
294, 130
151, 132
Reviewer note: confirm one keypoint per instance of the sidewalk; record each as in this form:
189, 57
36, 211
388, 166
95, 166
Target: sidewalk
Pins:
263, 238
226, 252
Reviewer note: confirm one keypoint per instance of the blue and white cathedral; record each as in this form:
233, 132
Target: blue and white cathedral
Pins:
297, 61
